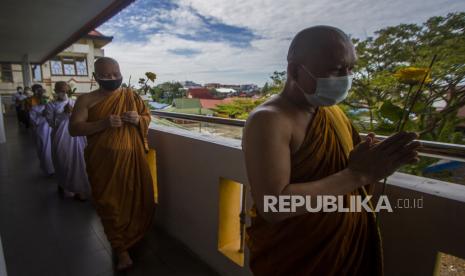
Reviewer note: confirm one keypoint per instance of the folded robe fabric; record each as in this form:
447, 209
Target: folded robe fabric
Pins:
118, 171
319, 243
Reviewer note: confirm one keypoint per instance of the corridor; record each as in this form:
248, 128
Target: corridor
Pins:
44, 234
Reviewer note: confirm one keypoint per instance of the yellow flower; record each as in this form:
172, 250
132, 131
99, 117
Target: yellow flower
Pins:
413, 75
151, 76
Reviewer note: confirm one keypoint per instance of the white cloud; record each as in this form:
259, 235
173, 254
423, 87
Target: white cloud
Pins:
275, 22
216, 61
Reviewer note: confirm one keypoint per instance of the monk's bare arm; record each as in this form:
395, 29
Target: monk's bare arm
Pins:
267, 156
78, 125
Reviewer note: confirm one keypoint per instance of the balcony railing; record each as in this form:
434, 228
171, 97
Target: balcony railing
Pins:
440, 150
196, 171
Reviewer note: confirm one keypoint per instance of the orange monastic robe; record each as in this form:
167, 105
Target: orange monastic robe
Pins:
320, 244
118, 171
31, 101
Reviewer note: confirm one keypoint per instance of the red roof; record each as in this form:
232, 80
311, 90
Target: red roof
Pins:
98, 35
95, 33
199, 93
212, 103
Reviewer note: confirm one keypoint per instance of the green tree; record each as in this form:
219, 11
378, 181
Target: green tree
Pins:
238, 109
167, 91
386, 61
278, 80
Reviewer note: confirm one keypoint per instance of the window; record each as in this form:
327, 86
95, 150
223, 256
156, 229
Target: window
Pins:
69, 66
69, 69
56, 67
6, 72
36, 72
81, 67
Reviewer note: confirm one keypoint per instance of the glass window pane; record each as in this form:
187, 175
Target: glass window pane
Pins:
56, 68
6, 73
69, 69
81, 67
36, 72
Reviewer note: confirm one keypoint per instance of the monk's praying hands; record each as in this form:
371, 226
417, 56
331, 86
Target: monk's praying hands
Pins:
377, 160
131, 117
114, 121
116, 160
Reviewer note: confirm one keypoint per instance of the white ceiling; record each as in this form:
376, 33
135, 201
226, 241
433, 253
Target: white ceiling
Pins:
40, 27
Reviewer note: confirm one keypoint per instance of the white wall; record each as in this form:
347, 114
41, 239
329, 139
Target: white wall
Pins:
189, 167
81, 83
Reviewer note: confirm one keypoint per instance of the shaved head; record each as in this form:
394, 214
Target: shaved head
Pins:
61, 86
107, 68
315, 41
102, 62
325, 51
107, 74
318, 52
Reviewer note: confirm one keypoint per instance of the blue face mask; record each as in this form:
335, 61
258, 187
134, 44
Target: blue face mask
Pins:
329, 91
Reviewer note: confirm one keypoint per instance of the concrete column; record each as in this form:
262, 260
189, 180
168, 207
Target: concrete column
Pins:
26, 67
90, 62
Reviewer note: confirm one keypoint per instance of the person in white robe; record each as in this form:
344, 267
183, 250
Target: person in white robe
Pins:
67, 151
42, 131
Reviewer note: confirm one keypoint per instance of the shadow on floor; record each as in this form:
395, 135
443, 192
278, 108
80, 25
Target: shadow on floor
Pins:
44, 234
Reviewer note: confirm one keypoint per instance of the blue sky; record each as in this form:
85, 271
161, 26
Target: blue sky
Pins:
241, 41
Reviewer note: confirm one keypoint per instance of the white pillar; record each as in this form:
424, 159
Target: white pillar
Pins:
2, 140
90, 62
2, 261
26, 67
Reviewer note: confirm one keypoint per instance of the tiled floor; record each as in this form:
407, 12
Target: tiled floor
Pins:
43, 234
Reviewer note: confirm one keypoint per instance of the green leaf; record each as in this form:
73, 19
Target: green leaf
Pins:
390, 111
419, 107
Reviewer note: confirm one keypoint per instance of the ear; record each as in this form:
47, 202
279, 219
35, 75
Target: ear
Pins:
293, 70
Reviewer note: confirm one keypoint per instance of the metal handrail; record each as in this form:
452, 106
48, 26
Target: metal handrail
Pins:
440, 150
199, 118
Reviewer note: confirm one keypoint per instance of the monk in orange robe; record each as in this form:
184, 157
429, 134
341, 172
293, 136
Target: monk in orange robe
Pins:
36, 98
299, 143
115, 121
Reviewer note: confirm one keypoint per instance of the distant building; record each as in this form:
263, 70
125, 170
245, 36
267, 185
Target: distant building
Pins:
189, 106
212, 85
453, 170
183, 103
213, 103
199, 93
74, 65
190, 84
249, 88
157, 105
233, 86
226, 90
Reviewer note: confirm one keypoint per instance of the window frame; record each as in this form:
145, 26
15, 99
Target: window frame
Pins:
41, 73
51, 67
84, 60
10, 72
75, 59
